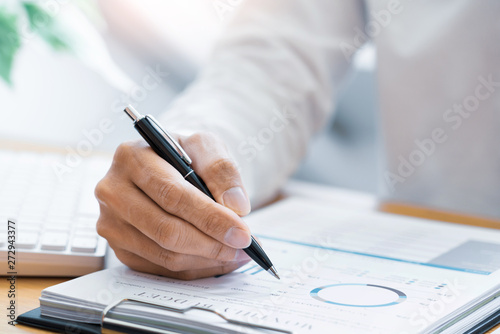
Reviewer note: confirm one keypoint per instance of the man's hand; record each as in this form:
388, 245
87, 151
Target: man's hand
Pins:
157, 222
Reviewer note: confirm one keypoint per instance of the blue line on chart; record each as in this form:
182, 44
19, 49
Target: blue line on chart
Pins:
474, 271
244, 271
257, 271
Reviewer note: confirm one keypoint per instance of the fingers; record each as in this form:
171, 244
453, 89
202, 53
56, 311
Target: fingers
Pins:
132, 241
140, 264
158, 222
165, 186
214, 165
154, 231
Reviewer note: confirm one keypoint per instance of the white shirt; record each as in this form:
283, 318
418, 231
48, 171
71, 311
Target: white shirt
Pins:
269, 86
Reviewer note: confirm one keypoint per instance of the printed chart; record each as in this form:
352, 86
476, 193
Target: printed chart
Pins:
358, 295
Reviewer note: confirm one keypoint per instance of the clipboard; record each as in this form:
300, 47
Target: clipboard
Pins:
110, 325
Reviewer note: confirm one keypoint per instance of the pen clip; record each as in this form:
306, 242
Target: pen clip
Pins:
171, 141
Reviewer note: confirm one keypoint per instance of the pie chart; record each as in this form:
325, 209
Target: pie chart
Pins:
358, 295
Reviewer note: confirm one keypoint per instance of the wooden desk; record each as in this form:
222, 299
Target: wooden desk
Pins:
27, 292
29, 289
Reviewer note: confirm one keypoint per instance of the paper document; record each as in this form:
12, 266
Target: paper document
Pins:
342, 272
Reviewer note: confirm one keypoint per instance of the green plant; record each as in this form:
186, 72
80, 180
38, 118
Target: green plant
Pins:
38, 21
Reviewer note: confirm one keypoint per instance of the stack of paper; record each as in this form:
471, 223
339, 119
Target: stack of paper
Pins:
342, 272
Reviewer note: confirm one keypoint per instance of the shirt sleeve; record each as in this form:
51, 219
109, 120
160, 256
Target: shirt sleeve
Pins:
269, 84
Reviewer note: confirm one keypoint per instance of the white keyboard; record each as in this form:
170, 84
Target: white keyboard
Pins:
53, 213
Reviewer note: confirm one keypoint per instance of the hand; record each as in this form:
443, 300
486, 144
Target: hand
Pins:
157, 222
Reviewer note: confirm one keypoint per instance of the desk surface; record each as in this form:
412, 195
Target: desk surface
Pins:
28, 289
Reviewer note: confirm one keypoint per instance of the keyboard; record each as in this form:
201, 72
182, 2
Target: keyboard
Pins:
48, 214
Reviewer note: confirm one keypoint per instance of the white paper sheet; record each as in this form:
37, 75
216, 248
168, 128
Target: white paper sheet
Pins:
341, 271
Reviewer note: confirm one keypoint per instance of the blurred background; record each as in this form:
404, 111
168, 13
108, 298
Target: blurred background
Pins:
68, 66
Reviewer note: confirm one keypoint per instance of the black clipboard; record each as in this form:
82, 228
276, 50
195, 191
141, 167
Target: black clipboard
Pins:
109, 324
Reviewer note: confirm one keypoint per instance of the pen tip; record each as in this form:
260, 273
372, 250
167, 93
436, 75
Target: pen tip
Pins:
274, 272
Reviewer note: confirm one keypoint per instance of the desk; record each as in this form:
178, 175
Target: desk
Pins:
29, 289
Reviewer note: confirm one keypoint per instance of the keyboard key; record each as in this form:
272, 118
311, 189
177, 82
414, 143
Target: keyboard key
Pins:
31, 216
85, 232
54, 241
58, 228
86, 223
84, 244
55, 220
29, 227
27, 240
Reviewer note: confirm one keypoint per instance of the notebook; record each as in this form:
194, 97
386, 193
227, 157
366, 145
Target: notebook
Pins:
342, 272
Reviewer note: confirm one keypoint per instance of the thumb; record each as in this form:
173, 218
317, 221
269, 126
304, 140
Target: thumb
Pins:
211, 161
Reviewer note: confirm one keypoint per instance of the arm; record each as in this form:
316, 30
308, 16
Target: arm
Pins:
269, 85
265, 92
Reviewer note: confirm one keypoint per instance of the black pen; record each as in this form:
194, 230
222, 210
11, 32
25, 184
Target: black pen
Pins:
167, 148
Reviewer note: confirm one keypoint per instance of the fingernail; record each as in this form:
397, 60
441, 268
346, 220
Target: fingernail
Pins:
241, 256
236, 200
238, 238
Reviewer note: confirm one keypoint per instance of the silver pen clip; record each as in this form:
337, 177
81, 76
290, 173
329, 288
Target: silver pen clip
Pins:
172, 141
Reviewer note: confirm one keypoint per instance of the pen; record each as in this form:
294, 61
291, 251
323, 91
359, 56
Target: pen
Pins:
167, 148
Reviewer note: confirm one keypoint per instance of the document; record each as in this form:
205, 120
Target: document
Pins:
341, 272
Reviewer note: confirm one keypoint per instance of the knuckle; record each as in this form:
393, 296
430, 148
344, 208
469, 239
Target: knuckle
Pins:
202, 141
181, 241
124, 151
212, 225
165, 233
120, 254
170, 260
101, 227
218, 252
202, 137
107, 195
125, 257
102, 191
223, 170
128, 156
171, 193
172, 236
106, 227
